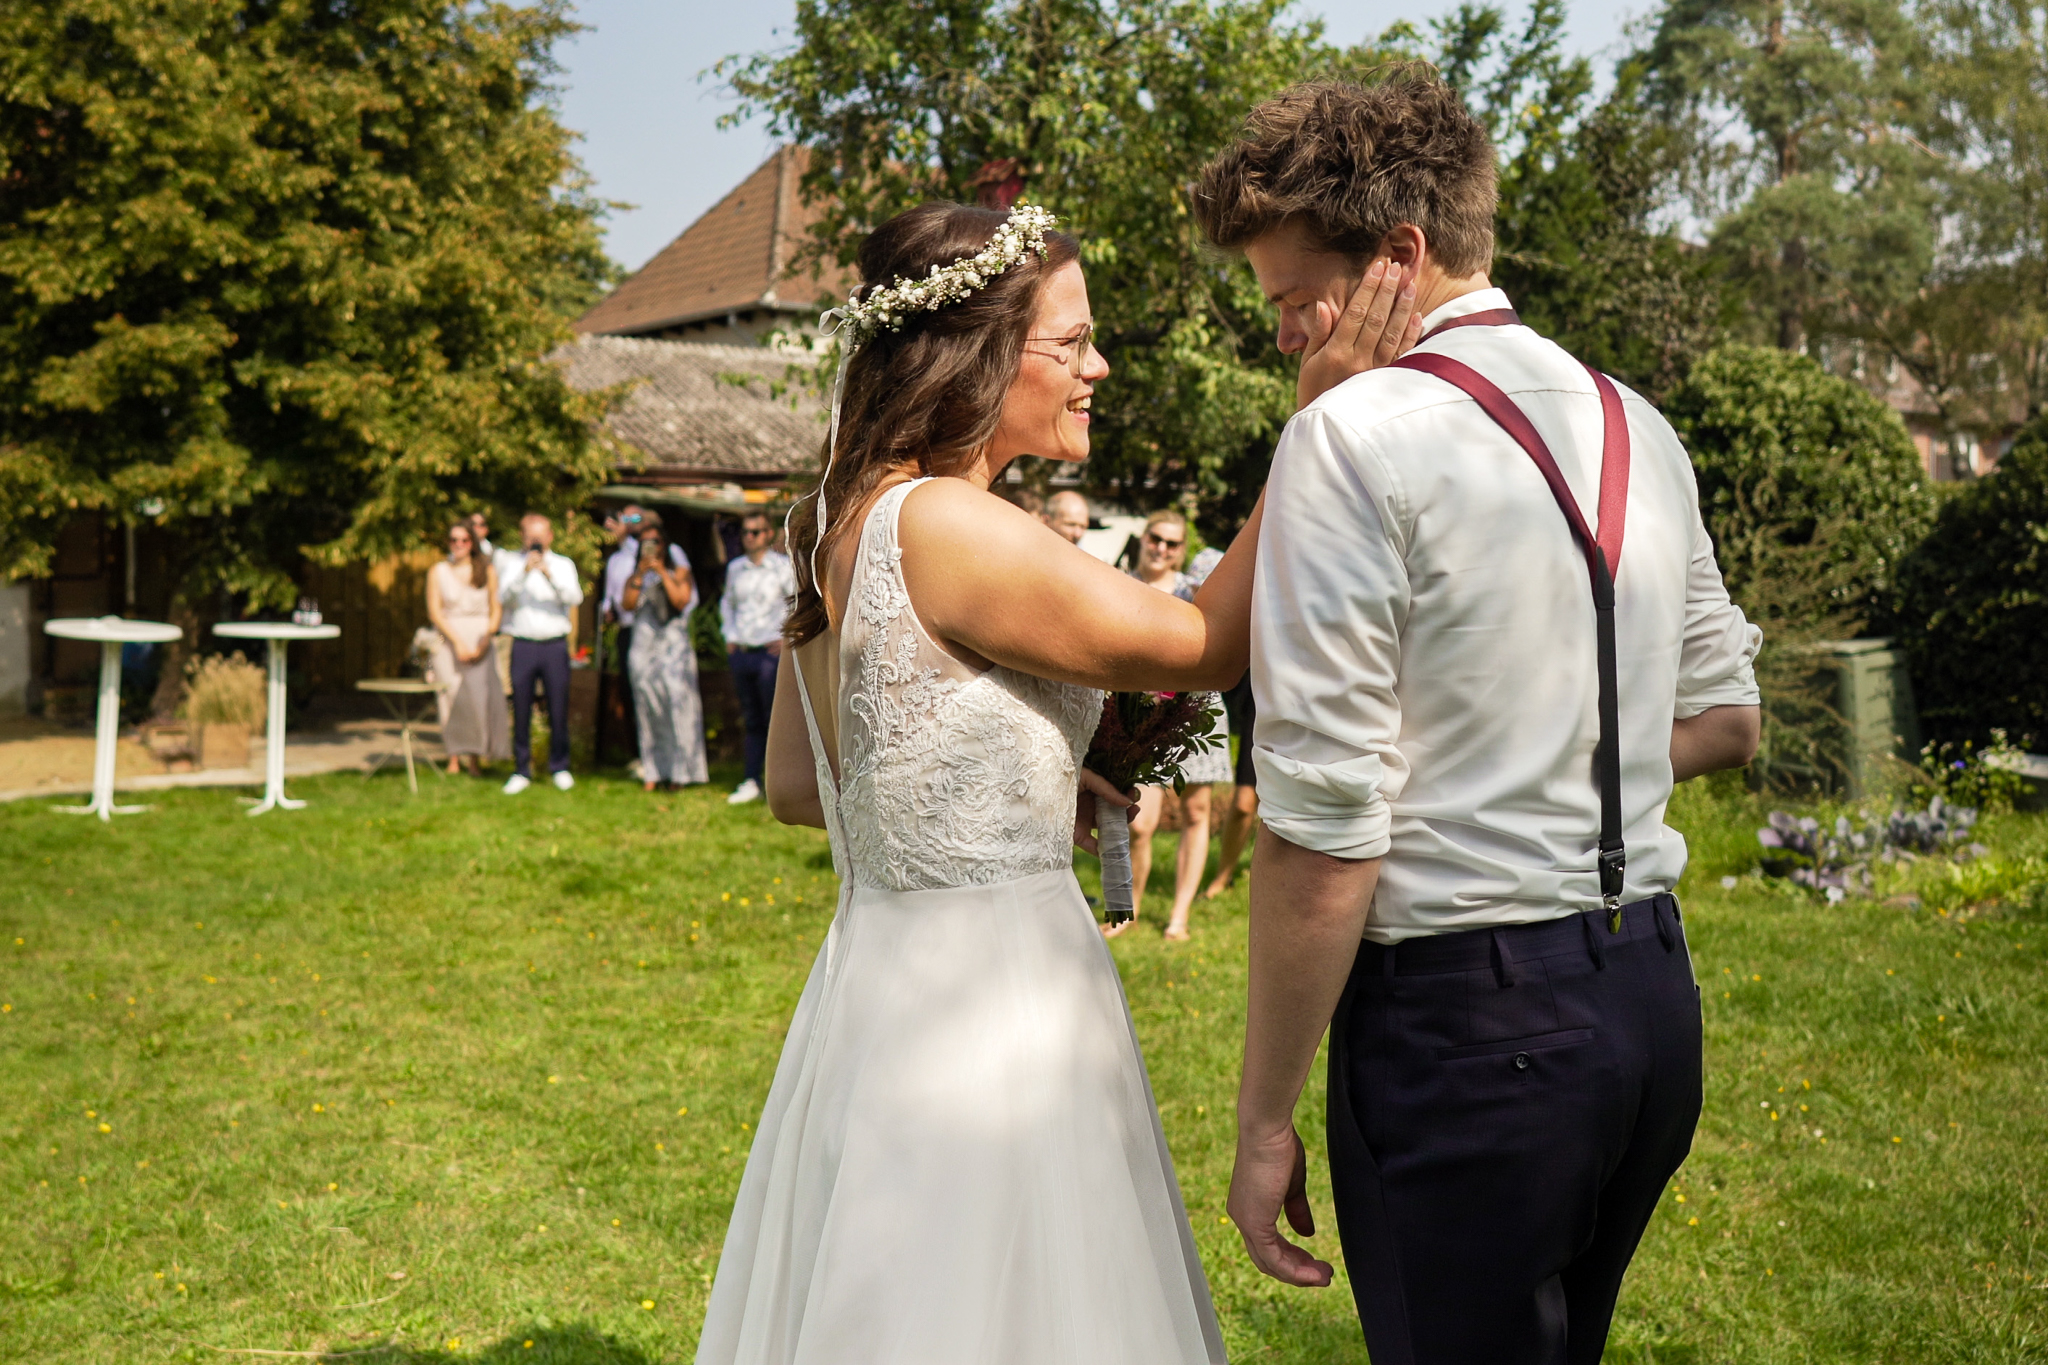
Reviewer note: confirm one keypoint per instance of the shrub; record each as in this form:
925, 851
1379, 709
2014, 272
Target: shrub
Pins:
1972, 609
1812, 491
225, 690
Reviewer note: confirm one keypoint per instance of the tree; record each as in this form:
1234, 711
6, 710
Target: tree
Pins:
1975, 335
1812, 491
1973, 604
1106, 110
281, 275
1802, 122
1581, 184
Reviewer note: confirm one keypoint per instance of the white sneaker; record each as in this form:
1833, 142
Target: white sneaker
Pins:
749, 790
563, 781
516, 784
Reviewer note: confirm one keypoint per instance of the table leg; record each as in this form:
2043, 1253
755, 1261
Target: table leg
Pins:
273, 756
405, 736
106, 738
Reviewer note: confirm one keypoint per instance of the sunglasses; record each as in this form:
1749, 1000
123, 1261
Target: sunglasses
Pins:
1082, 344
756, 531
1162, 542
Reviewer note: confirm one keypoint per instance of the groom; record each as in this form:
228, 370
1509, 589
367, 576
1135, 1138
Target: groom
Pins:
1443, 704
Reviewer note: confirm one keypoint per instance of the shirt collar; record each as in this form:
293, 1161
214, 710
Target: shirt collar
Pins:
1478, 301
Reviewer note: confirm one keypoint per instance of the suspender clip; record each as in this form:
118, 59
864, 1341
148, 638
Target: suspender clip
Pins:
1613, 864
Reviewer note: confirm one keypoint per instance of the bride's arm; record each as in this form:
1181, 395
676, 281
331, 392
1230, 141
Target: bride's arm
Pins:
985, 574
789, 772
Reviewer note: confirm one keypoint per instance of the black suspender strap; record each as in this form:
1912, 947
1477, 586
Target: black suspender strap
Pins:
1603, 557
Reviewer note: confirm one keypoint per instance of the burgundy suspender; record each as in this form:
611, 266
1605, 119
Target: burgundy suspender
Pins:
1602, 551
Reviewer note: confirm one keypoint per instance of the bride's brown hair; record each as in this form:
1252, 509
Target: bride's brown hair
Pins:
924, 399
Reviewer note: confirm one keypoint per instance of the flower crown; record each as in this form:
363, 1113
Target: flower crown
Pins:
890, 307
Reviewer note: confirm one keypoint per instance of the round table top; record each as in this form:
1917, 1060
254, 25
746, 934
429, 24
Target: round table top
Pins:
274, 630
112, 630
417, 685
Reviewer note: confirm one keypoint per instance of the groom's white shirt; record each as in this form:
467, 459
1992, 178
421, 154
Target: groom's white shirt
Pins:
1422, 638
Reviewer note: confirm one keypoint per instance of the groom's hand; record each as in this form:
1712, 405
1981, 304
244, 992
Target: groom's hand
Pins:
1271, 1176
1376, 328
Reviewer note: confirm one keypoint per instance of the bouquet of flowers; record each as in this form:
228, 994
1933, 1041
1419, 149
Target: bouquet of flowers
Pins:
1142, 740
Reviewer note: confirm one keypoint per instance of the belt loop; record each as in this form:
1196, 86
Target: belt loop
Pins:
1593, 949
1503, 960
1387, 959
1664, 931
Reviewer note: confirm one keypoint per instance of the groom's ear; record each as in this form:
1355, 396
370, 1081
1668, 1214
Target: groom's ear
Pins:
1406, 247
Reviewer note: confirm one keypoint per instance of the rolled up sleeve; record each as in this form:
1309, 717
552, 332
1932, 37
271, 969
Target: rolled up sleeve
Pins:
1329, 596
1716, 663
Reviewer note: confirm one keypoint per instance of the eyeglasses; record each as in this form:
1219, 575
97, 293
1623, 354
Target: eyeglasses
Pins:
1083, 343
757, 531
1162, 542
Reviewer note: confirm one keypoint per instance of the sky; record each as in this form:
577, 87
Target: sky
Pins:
650, 131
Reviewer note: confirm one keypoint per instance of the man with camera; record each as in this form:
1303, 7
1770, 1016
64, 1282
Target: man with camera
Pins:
539, 593
758, 586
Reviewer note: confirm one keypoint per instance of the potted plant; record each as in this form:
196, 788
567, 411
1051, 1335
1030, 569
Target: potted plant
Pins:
224, 700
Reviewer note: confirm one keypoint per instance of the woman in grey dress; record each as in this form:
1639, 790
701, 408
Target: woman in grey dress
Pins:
658, 600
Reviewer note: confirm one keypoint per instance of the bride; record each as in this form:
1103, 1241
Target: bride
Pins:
960, 1162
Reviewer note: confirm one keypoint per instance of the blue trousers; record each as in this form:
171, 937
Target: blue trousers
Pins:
753, 678
546, 661
1505, 1109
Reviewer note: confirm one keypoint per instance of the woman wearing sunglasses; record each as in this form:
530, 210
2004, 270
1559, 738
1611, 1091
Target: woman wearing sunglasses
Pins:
1162, 550
462, 602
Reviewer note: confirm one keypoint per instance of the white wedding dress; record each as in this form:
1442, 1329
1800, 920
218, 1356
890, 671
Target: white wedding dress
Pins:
959, 1162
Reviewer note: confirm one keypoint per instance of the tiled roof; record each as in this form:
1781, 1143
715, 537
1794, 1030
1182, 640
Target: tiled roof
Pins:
703, 412
730, 260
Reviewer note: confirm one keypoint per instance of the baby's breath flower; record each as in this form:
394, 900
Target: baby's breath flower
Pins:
887, 307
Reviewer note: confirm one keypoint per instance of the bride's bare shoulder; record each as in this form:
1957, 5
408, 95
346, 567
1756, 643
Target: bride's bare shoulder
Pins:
951, 513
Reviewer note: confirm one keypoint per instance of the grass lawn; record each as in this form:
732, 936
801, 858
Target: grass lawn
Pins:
459, 1077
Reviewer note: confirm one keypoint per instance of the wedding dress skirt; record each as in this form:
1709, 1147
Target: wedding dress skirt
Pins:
960, 1162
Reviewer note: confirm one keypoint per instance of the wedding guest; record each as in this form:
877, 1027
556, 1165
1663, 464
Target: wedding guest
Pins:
504, 561
622, 529
657, 599
1241, 815
462, 602
752, 609
1162, 548
1067, 513
1025, 497
1472, 707
625, 530
541, 590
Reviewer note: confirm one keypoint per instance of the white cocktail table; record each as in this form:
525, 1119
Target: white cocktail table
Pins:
111, 632
278, 633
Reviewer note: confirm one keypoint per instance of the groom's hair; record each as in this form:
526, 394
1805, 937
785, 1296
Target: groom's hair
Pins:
1350, 163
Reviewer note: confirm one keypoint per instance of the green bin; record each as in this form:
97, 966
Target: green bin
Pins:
1874, 697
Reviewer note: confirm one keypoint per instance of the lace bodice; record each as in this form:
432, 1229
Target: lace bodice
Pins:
948, 776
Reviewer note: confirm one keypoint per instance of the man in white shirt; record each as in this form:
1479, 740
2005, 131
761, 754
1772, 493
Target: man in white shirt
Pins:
539, 589
1515, 1033
755, 603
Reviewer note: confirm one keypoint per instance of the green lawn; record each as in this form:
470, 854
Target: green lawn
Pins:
449, 1075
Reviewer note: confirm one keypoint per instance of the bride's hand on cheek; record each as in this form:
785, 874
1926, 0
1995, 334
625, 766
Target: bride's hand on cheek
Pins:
1377, 327
1092, 786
